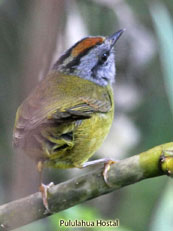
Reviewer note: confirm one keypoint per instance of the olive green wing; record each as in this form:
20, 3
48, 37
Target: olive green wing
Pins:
55, 100
31, 116
84, 109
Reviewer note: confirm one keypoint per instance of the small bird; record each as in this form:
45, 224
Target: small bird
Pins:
67, 116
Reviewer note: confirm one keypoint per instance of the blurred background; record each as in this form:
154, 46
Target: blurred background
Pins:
32, 36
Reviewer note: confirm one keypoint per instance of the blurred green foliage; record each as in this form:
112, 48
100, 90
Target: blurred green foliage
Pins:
140, 207
163, 23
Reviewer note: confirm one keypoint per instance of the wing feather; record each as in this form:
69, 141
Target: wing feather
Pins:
54, 101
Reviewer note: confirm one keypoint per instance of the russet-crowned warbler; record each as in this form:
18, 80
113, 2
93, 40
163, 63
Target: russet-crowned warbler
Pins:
67, 116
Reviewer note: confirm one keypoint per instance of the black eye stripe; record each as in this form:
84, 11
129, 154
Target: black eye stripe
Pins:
76, 61
66, 55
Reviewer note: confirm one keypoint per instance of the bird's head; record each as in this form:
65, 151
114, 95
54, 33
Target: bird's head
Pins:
92, 58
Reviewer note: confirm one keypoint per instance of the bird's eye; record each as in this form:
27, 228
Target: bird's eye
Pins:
103, 58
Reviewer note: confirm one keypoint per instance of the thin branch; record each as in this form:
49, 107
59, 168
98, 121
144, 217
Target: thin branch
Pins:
65, 195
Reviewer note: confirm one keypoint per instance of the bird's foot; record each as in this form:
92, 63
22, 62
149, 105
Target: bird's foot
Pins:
44, 189
107, 163
107, 166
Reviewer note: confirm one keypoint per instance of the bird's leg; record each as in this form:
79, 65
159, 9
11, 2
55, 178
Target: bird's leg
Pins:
44, 188
40, 170
107, 163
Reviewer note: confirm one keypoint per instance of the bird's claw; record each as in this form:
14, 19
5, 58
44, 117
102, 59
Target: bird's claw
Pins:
106, 169
44, 189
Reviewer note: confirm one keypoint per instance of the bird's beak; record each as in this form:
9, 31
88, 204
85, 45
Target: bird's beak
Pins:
113, 38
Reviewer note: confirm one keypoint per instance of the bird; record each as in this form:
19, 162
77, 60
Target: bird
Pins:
66, 118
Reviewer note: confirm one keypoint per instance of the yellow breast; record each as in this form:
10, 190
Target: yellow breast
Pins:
90, 135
